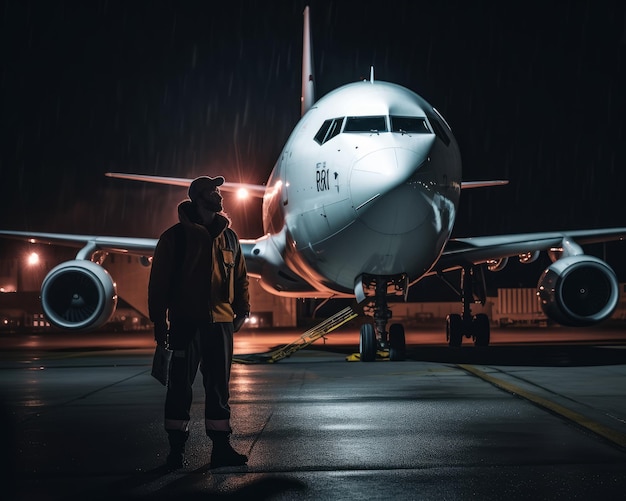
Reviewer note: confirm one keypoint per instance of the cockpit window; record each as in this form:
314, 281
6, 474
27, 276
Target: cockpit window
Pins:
438, 127
409, 125
328, 130
374, 125
365, 124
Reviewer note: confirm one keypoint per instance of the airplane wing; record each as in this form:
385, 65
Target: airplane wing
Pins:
254, 190
476, 250
123, 245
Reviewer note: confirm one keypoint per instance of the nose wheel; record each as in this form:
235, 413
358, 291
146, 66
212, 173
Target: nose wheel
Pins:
369, 343
374, 336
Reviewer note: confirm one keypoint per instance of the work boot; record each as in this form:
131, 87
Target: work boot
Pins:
176, 458
223, 453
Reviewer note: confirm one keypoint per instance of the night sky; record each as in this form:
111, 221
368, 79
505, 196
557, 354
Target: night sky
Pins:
534, 92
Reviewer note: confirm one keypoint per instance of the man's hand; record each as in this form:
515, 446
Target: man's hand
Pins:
238, 322
160, 334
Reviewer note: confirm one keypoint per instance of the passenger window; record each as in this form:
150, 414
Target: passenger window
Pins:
409, 125
366, 124
328, 130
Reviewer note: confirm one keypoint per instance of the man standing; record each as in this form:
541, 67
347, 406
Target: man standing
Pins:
199, 284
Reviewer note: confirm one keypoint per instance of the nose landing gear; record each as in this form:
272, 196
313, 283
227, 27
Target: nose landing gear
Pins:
375, 338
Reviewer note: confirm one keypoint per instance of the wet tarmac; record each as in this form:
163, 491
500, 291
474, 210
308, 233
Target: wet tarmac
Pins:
535, 416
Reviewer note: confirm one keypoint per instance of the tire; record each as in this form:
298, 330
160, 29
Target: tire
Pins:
454, 334
367, 345
481, 330
397, 343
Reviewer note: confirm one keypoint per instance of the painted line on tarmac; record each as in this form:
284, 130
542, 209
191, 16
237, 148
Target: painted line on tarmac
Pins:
613, 436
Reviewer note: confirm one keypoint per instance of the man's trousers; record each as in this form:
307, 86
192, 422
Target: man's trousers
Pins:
211, 349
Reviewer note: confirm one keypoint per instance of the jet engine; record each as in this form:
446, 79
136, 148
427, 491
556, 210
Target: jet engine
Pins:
578, 290
78, 295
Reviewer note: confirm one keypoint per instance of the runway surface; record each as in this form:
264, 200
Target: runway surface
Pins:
540, 414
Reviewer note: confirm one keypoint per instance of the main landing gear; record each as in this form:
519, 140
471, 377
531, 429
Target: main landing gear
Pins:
465, 325
375, 338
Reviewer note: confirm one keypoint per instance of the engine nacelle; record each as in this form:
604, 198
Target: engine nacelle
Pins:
578, 290
78, 295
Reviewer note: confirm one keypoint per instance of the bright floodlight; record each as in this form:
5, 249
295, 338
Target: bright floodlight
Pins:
242, 194
33, 259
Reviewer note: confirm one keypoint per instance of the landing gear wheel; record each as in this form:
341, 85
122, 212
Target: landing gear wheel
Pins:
481, 329
454, 326
367, 343
397, 343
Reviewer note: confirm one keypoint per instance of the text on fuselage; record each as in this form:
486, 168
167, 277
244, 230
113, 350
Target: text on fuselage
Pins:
322, 177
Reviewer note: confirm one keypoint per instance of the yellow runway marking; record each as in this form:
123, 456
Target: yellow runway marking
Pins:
614, 436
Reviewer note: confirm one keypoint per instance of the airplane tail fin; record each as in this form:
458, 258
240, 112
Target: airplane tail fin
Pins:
308, 89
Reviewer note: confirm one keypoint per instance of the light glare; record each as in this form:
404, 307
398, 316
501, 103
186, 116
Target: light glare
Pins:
33, 259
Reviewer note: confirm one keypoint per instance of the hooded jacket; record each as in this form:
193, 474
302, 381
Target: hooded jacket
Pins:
195, 276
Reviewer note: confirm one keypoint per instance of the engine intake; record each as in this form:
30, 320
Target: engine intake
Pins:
578, 290
78, 295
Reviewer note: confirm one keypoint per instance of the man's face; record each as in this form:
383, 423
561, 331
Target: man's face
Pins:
211, 200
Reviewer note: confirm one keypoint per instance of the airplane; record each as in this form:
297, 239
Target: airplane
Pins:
361, 203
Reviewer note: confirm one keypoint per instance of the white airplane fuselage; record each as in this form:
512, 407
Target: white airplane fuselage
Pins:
363, 186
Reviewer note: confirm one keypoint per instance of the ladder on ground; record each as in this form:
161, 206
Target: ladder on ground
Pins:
306, 339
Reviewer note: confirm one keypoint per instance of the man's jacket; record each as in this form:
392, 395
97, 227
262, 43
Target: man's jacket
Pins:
196, 274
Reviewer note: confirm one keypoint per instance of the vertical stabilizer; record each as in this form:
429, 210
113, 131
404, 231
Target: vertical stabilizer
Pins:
308, 90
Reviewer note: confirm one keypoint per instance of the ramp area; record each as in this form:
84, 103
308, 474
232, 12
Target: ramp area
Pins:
87, 424
306, 339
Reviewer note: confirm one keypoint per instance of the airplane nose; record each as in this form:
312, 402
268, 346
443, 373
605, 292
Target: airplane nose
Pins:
379, 174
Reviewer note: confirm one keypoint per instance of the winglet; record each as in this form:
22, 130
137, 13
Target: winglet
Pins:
308, 89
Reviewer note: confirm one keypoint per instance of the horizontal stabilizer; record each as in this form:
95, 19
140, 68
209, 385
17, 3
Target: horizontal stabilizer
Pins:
465, 185
254, 190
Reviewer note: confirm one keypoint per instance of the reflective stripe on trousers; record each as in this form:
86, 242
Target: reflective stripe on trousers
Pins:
176, 424
217, 425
